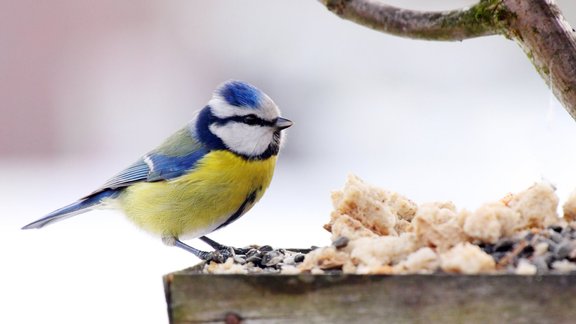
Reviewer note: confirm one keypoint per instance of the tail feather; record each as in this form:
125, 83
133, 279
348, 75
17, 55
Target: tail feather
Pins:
78, 207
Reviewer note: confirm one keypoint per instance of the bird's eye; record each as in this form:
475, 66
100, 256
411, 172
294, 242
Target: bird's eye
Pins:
250, 120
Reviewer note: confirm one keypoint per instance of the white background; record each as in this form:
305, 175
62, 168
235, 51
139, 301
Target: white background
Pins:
87, 87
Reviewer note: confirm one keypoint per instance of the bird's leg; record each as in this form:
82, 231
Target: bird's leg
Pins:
221, 247
216, 256
212, 243
203, 255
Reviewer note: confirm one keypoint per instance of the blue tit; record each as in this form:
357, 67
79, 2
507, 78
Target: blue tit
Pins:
203, 177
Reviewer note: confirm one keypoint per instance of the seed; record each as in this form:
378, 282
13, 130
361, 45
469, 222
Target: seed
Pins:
504, 245
253, 252
555, 237
340, 242
564, 249
299, 257
272, 258
239, 259
555, 228
254, 259
266, 248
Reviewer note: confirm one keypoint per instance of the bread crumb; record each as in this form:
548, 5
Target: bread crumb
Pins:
569, 208
378, 251
536, 205
525, 268
324, 258
380, 270
289, 270
490, 222
541, 248
466, 258
424, 260
563, 266
346, 226
376, 209
228, 267
436, 225
375, 231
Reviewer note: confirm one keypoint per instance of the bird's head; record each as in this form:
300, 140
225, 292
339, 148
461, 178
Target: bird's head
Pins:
242, 119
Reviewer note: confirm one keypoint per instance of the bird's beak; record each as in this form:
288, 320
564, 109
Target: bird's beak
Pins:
282, 123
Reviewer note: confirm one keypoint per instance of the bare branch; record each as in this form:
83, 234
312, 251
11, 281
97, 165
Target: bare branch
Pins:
454, 25
550, 43
536, 25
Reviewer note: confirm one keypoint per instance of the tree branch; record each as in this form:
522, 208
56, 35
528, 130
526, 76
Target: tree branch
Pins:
536, 25
442, 25
550, 43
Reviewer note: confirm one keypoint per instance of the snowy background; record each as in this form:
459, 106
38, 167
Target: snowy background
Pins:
86, 87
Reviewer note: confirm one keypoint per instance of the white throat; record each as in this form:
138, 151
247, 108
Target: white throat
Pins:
248, 140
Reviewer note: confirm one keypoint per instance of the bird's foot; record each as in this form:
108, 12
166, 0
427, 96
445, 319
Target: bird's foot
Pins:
220, 247
219, 256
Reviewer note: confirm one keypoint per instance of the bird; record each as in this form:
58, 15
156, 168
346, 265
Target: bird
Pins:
200, 179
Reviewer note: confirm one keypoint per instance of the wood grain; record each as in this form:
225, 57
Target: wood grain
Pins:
203, 298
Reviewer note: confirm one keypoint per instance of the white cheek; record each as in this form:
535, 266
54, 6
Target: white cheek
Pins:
244, 139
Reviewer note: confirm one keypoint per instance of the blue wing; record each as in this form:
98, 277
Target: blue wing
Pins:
136, 172
154, 167
176, 156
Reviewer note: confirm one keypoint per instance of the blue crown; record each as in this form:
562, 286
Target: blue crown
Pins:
238, 93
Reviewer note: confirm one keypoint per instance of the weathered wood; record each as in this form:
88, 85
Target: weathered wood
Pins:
202, 298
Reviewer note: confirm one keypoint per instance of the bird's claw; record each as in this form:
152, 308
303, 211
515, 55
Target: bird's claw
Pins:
239, 251
220, 255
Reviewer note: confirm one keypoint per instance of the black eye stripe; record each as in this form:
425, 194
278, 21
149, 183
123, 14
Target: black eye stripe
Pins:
253, 120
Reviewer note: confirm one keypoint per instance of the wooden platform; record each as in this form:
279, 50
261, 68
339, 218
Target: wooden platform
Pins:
201, 298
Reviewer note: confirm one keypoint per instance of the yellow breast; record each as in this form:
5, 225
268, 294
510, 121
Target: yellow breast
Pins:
198, 202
